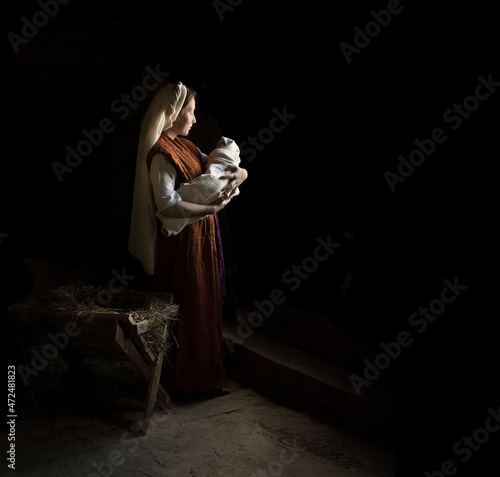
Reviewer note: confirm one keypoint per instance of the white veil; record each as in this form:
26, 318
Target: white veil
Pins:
161, 114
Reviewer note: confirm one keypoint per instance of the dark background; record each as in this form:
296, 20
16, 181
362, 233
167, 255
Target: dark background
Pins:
322, 175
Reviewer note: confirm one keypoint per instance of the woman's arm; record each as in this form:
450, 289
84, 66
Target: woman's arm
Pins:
184, 209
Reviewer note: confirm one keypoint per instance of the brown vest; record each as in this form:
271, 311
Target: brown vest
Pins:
183, 155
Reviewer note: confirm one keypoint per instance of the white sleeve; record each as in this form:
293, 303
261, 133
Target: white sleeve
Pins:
162, 175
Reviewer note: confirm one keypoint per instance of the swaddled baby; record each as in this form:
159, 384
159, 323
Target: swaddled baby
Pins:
206, 188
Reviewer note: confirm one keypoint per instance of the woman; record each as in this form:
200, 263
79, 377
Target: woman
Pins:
186, 264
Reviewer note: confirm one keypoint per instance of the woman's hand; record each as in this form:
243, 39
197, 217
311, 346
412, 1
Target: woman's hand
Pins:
236, 175
221, 202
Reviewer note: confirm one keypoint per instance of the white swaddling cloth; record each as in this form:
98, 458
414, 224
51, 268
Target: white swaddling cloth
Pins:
206, 188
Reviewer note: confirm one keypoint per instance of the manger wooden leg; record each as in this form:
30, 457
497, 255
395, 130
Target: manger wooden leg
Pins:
150, 373
154, 382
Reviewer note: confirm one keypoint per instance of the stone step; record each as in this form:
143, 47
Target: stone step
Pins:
312, 377
312, 333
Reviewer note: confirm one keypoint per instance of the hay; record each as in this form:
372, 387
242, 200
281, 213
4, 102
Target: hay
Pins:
143, 307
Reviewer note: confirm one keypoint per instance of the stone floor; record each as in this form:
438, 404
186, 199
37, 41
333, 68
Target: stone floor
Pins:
257, 430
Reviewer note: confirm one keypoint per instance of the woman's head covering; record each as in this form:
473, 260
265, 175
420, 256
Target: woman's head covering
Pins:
161, 114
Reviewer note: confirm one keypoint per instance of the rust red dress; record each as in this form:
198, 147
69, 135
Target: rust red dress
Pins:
187, 265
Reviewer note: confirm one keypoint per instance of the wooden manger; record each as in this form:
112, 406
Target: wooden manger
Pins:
136, 327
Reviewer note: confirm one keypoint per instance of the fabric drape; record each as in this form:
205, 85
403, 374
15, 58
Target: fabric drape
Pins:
187, 264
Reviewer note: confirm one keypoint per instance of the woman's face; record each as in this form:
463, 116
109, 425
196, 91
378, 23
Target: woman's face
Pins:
185, 120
